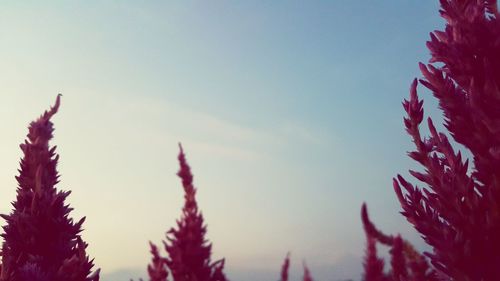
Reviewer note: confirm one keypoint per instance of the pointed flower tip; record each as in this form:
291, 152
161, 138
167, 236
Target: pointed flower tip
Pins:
307, 272
413, 89
286, 262
182, 155
365, 219
53, 110
285, 267
364, 211
414, 82
57, 104
395, 182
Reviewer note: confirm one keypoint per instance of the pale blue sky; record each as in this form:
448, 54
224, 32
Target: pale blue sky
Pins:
289, 112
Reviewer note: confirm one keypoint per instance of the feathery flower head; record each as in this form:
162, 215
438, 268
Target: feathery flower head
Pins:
458, 211
40, 241
188, 250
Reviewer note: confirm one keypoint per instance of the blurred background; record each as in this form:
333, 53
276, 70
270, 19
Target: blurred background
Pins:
289, 112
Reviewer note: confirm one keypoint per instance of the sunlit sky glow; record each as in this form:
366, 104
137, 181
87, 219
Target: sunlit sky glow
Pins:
289, 112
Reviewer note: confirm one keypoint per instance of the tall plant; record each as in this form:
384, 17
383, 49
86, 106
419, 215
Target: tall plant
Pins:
457, 210
41, 243
189, 253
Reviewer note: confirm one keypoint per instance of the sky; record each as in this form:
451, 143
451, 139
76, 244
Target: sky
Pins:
289, 112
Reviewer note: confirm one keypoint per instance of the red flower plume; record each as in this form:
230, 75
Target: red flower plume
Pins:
188, 251
40, 241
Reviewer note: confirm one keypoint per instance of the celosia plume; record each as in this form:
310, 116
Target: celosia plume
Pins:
374, 266
218, 271
457, 212
407, 264
398, 260
40, 241
307, 273
285, 267
188, 251
157, 269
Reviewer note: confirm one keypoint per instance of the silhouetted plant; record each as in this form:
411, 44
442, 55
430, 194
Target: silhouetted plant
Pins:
41, 243
374, 266
157, 269
457, 211
406, 262
188, 251
285, 268
307, 273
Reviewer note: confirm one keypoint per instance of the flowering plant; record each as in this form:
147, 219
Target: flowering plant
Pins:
188, 252
41, 243
457, 211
